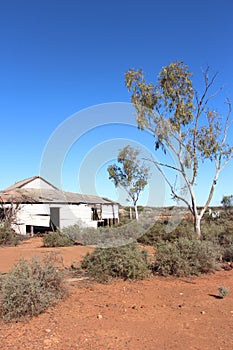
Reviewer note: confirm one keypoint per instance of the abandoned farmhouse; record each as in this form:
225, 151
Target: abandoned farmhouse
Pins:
39, 206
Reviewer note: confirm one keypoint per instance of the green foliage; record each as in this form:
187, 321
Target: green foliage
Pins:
227, 201
83, 235
227, 253
105, 236
29, 288
140, 208
169, 110
130, 174
127, 262
183, 125
176, 92
185, 257
8, 236
57, 239
223, 291
220, 232
124, 220
161, 231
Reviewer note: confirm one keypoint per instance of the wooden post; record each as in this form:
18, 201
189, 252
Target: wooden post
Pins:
31, 231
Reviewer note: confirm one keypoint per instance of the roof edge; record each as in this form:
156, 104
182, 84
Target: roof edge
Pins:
21, 183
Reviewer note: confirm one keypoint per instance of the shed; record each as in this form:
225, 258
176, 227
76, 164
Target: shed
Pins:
41, 207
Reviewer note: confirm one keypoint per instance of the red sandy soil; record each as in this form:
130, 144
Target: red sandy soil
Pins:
154, 314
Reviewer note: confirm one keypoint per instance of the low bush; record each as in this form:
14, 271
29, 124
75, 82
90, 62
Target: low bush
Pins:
227, 253
29, 288
217, 231
220, 233
132, 209
162, 231
8, 236
105, 236
223, 292
124, 220
185, 257
84, 235
126, 262
57, 239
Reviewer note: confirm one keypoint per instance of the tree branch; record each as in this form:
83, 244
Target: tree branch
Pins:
172, 188
162, 164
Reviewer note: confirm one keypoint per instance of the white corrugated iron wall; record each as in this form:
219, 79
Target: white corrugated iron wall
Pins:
76, 214
33, 215
110, 211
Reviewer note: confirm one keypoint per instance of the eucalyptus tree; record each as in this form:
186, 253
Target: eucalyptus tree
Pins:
183, 123
227, 201
129, 174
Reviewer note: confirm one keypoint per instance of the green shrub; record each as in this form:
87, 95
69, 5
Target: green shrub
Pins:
162, 231
8, 236
29, 288
127, 262
221, 234
124, 220
185, 257
227, 253
223, 291
105, 236
219, 231
57, 239
84, 235
139, 207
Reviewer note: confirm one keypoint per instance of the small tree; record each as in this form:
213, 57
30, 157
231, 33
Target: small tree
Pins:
8, 212
182, 122
227, 201
129, 174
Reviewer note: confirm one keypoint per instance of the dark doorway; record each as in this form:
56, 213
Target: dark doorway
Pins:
36, 230
55, 218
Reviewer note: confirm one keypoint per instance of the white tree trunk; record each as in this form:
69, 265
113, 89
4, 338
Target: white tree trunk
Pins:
130, 213
197, 225
136, 211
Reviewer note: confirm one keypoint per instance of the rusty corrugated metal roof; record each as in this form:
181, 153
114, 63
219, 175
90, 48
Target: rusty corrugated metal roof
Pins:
16, 193
50, 196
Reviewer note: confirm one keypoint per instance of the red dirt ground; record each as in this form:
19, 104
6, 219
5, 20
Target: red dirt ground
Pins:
154, 314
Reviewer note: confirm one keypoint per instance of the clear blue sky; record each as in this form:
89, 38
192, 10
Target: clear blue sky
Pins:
59, 57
